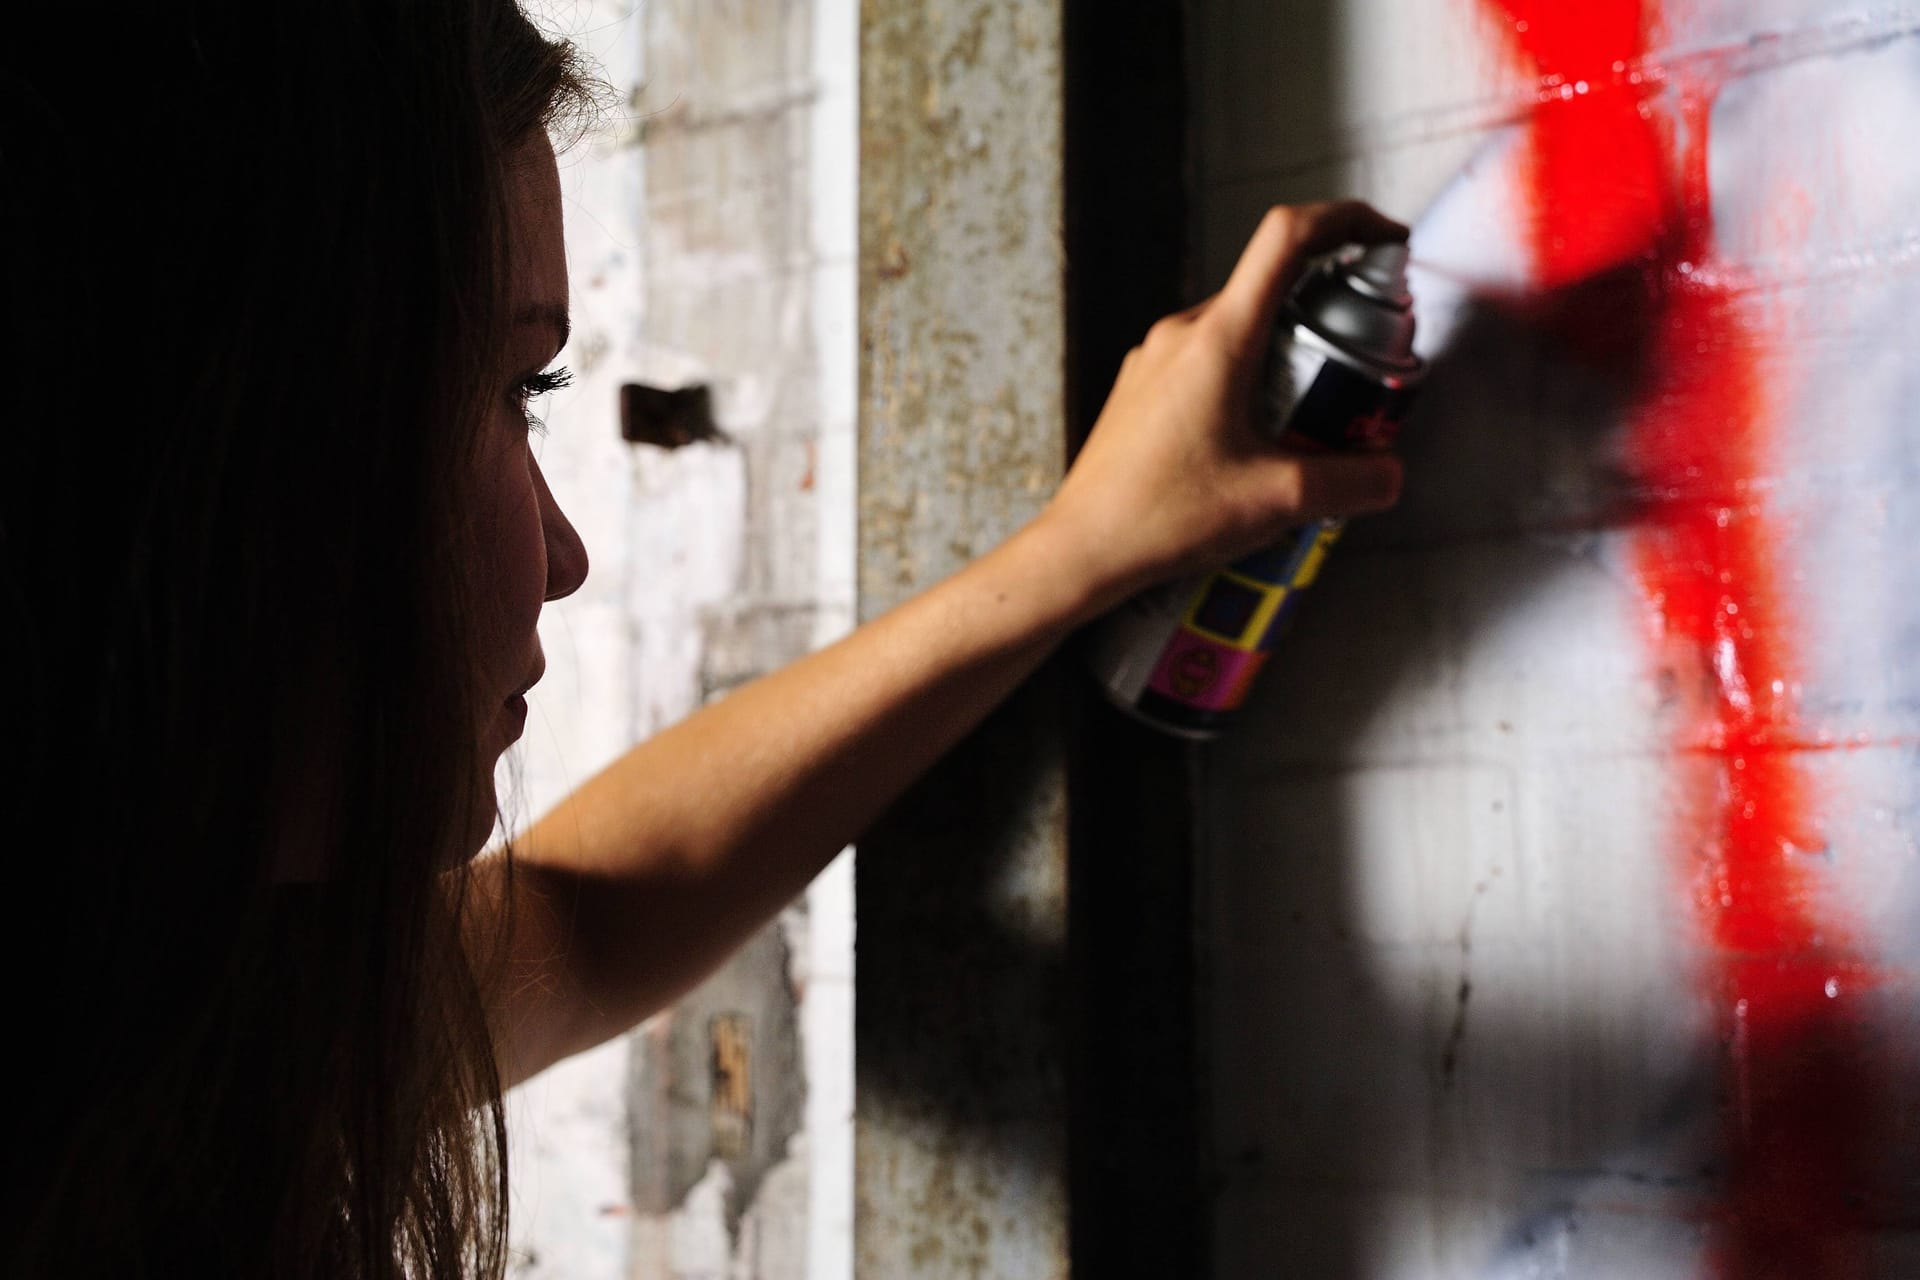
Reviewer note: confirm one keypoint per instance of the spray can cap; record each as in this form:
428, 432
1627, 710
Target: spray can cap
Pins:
1382, 271
1358, 300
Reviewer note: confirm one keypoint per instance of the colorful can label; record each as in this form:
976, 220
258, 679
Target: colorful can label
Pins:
1184, 657
1228, 625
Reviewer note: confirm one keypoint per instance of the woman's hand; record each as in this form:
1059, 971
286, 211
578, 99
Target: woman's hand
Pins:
1176, 476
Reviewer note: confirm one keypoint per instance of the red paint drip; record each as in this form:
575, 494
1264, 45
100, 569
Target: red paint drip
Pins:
1612, 189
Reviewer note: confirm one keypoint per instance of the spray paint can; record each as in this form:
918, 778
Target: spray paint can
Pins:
1340, 375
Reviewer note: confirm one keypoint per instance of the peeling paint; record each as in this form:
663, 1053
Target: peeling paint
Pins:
717, 1079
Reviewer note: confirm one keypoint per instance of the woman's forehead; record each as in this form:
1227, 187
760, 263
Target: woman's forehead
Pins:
536, 233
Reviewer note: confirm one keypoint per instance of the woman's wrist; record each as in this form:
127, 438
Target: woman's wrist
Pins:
1086, 578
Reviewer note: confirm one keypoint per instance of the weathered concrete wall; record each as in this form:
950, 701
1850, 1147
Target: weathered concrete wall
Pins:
961, 891
711, 241
1562, 884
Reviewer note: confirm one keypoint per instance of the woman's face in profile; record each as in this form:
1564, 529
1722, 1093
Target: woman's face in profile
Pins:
528, 552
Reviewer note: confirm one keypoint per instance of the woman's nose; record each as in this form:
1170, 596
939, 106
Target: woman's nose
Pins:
566, 554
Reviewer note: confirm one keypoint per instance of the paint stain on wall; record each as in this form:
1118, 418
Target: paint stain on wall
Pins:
1615, 172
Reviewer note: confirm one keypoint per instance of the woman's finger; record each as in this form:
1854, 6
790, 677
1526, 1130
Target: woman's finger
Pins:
1336, 485
1198, 309
1286, 238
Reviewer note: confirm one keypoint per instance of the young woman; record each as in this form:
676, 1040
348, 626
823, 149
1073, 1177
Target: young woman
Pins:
279, 281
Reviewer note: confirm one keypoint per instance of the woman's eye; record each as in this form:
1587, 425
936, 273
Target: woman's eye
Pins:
533, 387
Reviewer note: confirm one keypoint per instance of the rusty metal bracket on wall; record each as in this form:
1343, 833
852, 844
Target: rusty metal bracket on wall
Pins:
960, 1008
1026, 1092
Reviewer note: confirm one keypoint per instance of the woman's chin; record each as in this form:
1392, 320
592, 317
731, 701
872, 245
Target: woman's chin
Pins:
482, 820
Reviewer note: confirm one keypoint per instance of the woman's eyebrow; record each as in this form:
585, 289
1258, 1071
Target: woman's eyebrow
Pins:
551, 313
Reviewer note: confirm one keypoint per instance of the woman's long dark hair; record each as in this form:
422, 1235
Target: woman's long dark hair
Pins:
254, 265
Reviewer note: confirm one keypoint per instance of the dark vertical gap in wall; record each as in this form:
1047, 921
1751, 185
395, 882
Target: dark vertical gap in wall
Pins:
1136, 1131
1289, 1196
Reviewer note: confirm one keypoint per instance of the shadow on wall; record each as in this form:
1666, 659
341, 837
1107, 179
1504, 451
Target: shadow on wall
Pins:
1373, 1116
1348, 1098
1470, 1011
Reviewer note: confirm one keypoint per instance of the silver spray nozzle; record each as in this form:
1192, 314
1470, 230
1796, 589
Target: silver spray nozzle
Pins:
1382, 271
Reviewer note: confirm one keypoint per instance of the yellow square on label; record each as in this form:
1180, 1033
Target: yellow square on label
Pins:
1310, 566
1234, 610
1263, 618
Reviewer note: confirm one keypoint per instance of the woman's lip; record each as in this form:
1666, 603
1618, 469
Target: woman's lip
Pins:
517, 715
541, 671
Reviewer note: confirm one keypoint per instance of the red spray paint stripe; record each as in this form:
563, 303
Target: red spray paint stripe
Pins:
1609, 188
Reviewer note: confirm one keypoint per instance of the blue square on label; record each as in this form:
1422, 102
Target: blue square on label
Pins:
1277, 563
1227, 608
1273, 565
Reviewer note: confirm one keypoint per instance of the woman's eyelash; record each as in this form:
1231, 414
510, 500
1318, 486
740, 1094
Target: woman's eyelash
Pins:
539, 384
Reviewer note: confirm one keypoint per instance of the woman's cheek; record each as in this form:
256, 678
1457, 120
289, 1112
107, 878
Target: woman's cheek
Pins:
512, 559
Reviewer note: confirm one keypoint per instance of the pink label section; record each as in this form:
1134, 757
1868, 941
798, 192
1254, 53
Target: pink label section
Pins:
1204, 673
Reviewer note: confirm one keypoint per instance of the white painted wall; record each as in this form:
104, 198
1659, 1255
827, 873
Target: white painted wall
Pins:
1461, 770
679, 277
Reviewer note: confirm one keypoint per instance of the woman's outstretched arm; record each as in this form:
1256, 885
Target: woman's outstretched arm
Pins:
643, 880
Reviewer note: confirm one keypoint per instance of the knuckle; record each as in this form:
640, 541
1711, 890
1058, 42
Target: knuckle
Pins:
1213, 321
1284, 218
1317, 215
1290, 486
